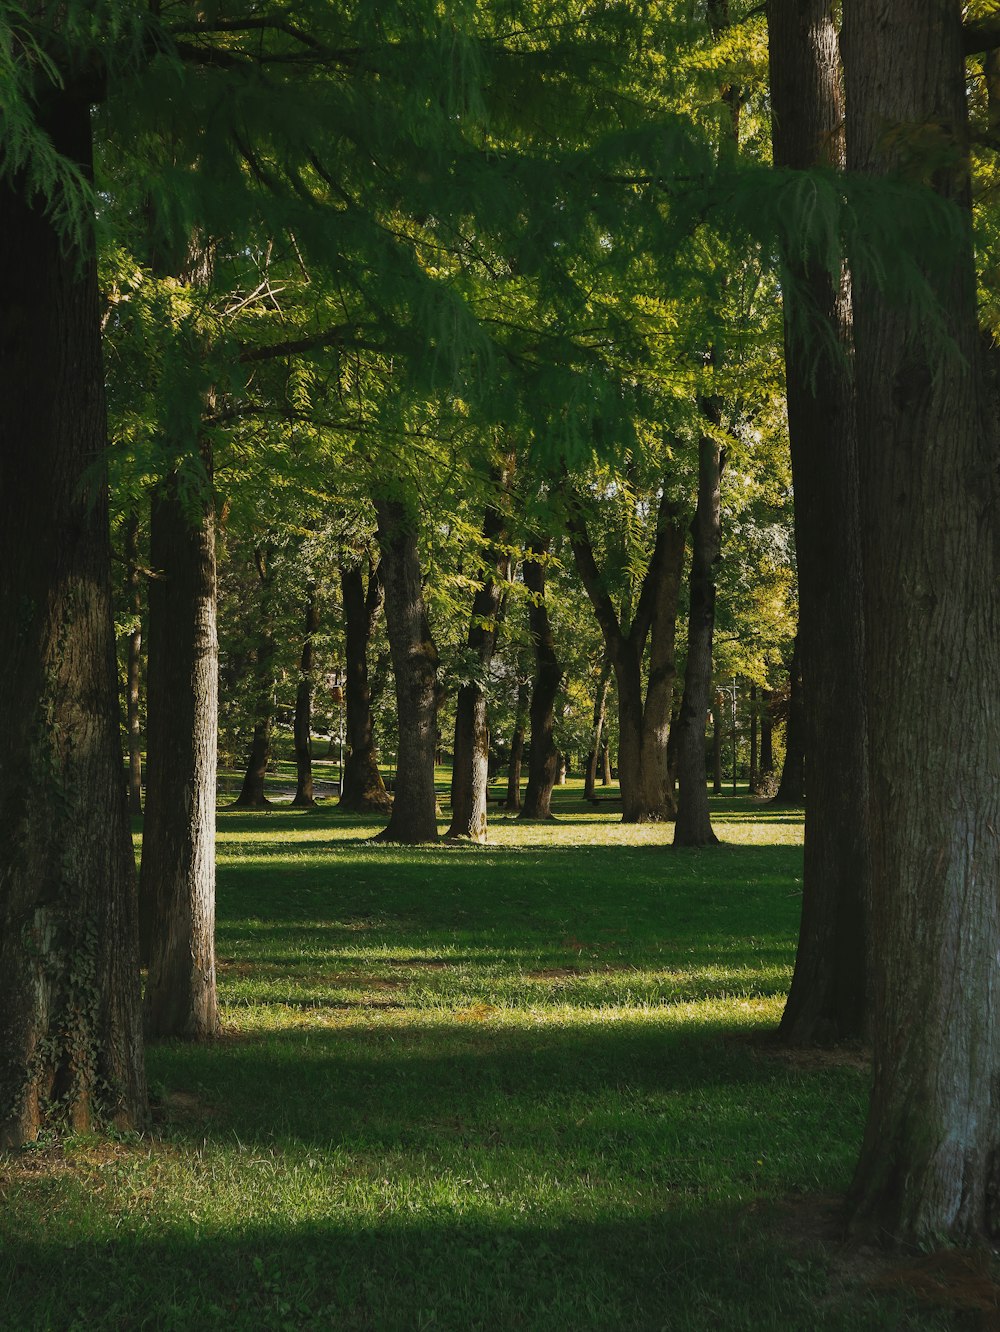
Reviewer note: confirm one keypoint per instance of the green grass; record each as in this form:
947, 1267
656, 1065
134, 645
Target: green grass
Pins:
518, 1086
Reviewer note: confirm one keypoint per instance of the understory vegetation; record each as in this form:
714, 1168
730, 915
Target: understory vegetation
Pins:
526, 1085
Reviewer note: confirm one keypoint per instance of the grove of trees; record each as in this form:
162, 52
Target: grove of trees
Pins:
510, 382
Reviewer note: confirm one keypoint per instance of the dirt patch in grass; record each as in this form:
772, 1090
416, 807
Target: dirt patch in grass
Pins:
768, 1045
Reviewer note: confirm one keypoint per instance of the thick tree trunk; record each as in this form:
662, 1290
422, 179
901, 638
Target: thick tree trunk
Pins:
177, 879
252, 792
643, 720
929, 521
792, 787
828, 998
302, 729
597, 729
513, 801
548, 676
470, 764
70, 1036
694, 823
414, 662
133, 667
363, 790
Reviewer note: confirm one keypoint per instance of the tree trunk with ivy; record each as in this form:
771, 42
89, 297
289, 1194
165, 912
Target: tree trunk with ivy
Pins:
70, 1038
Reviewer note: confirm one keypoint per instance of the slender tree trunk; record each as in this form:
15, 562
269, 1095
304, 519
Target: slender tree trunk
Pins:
605, 764
754, 783
252, 792
363, 790
694, 823
828, 999
177, 879
643, 719
766, 740
792, 787
414, 662
513, 801
70, 1037
930, 541
597, 728
717, 729
133, 669
470, 765
548, 676
302, 730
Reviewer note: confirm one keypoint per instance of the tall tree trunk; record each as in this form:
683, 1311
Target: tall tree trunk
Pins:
470, 763
70, 1038
766, 739
792, 787
513, 801
694, 823
597, 729
828, 999
302, 729
363, 790
252, 792
133, 667
177, 878
717, 728
643, 719
548, 676
414, 663
930, 1163
754, 783
605, 764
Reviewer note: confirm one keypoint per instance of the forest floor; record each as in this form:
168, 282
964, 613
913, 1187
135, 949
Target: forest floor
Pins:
528, 1085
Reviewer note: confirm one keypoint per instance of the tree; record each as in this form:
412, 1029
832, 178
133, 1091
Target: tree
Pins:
363, 789
929, 515
537, 802
828, 997
70, 1042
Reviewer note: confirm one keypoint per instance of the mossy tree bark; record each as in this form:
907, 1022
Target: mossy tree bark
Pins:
70, 1038
414, 663
928, 448
363, 788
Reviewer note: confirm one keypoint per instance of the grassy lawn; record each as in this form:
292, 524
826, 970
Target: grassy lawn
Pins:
519, 1086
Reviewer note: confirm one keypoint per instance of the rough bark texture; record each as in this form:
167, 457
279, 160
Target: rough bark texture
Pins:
302, 729
513, 800
792, 787
828, 995
363, 790
70, 1035
643, 718
694, 823
177, 879
414, 663
133, 668
931, 549
251, 794
548, 675
470, 763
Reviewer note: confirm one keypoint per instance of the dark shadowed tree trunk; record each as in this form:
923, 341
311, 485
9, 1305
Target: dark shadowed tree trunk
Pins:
414, 663
548, 675
302, 728
252, 794
177, 879
363, 788
470, 764
643, 718
597, 729
828, 995
694, 823
928, 451
70, 1034
133, 666
513, 801
792, 787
